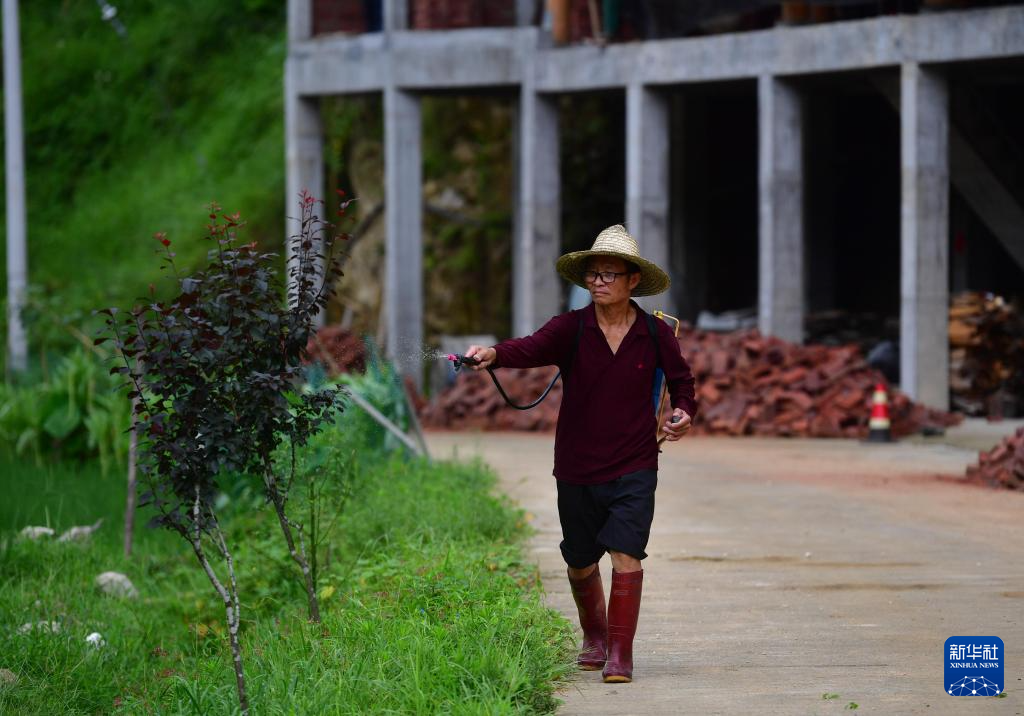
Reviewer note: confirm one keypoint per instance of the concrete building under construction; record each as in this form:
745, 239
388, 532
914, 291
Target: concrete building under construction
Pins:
869, 153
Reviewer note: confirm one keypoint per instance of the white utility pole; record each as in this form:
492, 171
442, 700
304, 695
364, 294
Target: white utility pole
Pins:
14, 155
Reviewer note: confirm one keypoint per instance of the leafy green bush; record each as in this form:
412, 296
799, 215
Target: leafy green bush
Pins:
76, 413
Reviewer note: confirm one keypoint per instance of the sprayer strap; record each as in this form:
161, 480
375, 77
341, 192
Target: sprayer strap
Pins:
652, 328
575, 350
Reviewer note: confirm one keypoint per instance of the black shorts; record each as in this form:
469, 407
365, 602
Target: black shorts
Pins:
611, 516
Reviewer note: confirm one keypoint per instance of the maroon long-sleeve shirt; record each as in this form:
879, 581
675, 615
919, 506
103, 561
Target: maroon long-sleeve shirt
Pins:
606, 425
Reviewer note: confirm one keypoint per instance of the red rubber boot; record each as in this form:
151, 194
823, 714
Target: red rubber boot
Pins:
623, 611
589, 595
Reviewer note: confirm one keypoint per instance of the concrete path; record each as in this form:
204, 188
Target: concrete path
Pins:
783, 570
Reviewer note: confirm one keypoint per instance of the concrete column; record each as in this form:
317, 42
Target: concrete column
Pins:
647, 183
300, 20
924, 236
396, 15
781, 205
14, 172
536, 287
303, 155
403, 209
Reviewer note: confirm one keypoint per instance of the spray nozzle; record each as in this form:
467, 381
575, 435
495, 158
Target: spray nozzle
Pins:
460, 360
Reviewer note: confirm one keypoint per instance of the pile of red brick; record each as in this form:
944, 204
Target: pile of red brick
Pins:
338, 350
747, 384
1003, 465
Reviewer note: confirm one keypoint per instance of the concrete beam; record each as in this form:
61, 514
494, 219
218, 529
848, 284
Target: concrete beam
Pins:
831, 47
488, 56
485, 57
403, 209
536, 287
647, 184
924, 242
303, 155
781, 210
335, 64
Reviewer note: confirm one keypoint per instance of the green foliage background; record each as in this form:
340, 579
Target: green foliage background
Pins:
125, 136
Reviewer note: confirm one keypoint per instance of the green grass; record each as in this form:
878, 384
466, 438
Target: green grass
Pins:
431, 608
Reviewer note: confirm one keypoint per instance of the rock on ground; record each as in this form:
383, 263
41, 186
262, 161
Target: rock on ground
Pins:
116, 585
96, 639
51, 627
8, 677
80, 533
36, 532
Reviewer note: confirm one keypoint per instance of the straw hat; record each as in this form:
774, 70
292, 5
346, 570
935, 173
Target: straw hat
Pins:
614, 241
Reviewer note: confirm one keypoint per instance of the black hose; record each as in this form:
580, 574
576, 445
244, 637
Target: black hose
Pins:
535, 403
461, 360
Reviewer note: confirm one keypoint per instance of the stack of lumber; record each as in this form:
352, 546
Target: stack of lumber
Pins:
338, 350
1003, 465
986, 359
747, 384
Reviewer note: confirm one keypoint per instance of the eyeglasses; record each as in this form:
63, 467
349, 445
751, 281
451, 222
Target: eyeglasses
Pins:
606, 276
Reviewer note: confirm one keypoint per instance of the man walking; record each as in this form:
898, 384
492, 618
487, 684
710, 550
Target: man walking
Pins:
606, 451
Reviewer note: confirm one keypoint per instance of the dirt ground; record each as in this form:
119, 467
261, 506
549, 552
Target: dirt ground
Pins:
784, 570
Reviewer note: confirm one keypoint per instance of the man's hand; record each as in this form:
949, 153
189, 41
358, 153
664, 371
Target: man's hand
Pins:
675, 430
486, 356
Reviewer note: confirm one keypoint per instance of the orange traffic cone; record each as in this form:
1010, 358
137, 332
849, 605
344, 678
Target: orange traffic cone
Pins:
878, 426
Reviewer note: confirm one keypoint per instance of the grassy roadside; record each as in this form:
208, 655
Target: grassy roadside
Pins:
428, 605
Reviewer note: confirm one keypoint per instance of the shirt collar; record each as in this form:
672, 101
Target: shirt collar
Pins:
639, 325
